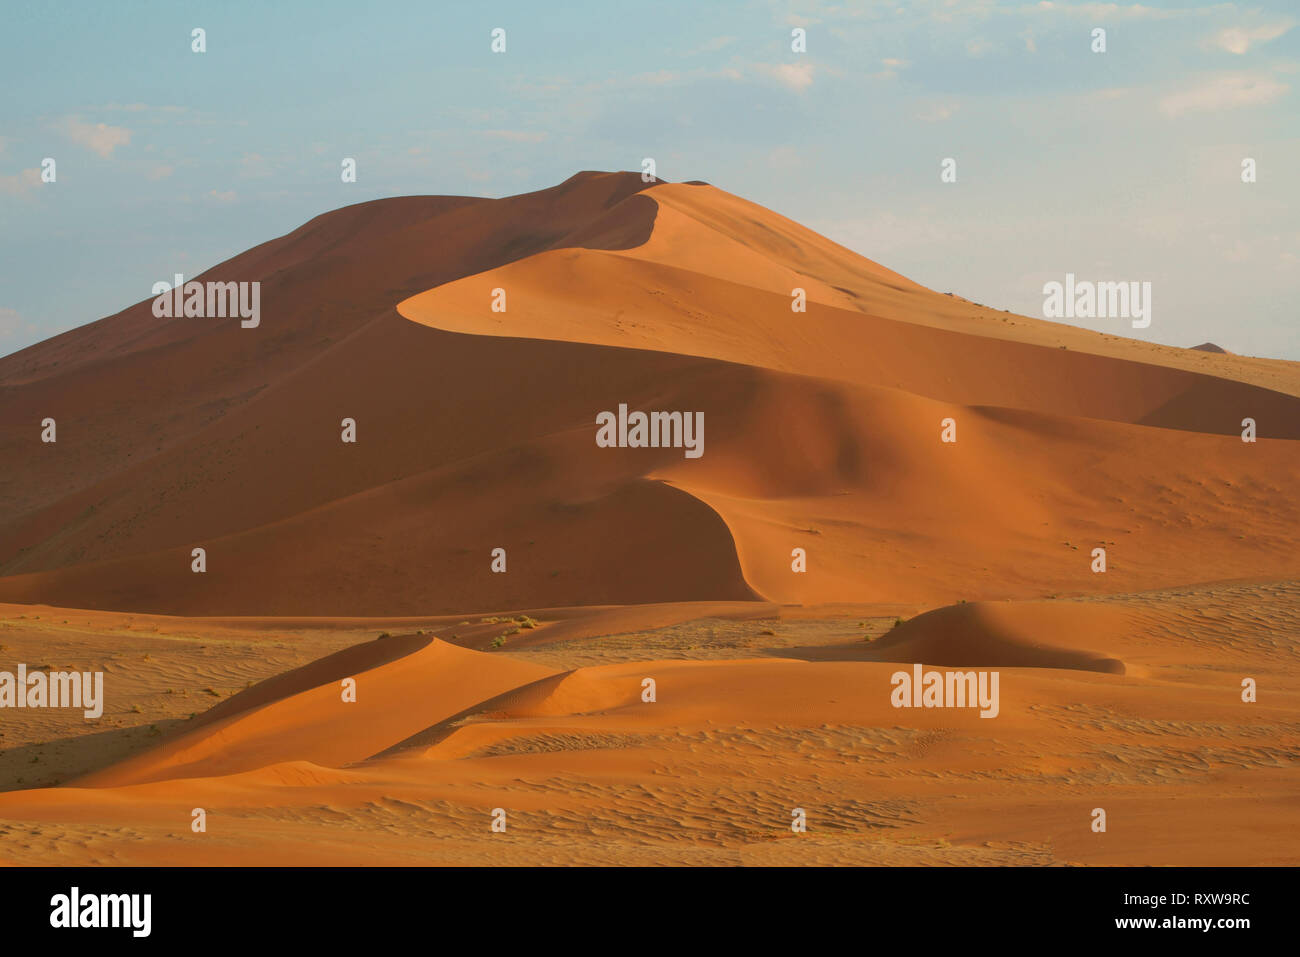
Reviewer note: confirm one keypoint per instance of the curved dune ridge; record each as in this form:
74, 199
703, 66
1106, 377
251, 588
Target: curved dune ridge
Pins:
476, 429
402, 686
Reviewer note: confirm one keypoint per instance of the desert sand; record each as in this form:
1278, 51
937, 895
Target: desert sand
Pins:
524, 691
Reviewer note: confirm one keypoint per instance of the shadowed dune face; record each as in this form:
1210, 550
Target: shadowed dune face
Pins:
139, 385
476, 428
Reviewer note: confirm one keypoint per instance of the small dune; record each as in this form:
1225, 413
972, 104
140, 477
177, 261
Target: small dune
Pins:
303, 716
1002, 634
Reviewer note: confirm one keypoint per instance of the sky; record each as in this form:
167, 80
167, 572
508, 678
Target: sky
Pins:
1117, 166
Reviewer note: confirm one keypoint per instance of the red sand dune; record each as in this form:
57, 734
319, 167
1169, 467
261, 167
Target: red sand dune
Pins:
476, 429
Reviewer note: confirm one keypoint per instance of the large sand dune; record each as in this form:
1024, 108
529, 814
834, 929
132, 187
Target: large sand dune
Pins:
526, 691
476, 429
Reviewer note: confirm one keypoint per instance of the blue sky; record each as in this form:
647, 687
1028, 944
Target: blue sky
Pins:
1116, 166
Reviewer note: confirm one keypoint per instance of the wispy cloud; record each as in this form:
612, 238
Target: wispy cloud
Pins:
99, 137
795, 76
16, 184
1108, 11
1239, 40
13, 324
1226, 91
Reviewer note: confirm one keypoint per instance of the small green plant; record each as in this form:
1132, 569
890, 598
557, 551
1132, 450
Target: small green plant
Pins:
384, 634
498, 641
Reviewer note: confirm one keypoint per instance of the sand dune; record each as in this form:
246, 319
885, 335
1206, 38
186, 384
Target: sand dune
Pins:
999, 634
303, 716
590, 772
822, 428
526, 690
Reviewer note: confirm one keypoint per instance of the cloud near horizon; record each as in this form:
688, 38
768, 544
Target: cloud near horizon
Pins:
97, 137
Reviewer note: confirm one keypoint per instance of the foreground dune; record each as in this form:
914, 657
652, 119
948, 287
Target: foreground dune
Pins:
738, 736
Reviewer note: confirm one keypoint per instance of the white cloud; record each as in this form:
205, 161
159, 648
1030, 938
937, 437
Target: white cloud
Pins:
796, 76
1107, 11
227, 196
13, 325
977, 47
1239, 40
1224, 92
99, 137
162, 171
